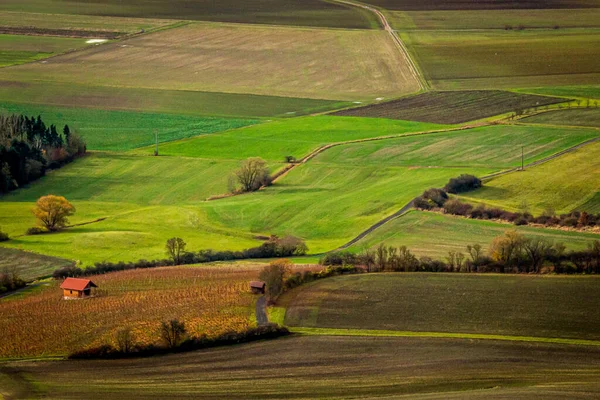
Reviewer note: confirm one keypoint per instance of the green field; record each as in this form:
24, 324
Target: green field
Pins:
280, 12
21, 49
468, 5
234, 58
327, 201
125, 130
451, 107
44, 95
567, 183
495, 19
296, 137
494, 59
483, 304
301, 368
496, 147
574, 117
434, 235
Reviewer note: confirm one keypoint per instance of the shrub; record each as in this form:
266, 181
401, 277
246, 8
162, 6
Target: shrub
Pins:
437, 196
3, 236
521, 221
464, 183
456, 207
36, 230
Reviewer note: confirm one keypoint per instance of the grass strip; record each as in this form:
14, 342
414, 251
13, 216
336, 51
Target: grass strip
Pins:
449, 335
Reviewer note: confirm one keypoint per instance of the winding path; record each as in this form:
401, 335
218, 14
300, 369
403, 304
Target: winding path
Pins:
388, 28
261, 312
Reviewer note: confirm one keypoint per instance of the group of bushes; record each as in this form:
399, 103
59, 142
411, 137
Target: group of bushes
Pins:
509, 253
272, 248
28, 148
10, 280
433, 199
173, 339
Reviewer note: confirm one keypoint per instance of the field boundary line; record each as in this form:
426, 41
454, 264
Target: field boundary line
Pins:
412, 66
441, 335
284, 171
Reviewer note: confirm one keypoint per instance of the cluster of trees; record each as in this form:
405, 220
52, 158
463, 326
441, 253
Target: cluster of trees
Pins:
509, 253
433, 199
28, 148
10, 280
173, 338
251, 176
274, 247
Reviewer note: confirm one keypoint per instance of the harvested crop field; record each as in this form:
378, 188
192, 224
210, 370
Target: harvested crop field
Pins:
292, 62
451, 107
30, 265
280, 12
331, 367
506, 59
210, 300
481, 5
542, 306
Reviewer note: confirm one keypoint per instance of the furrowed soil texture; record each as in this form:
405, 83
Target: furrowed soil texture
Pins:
332, 367
280, 12
543, 306
292, 62
451, 107
494, 59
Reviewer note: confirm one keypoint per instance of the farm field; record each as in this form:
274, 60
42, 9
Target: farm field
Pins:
280, 12
567, 183
76, 25
30, 265
548, 306
370, 181
296, 137
493, 59
48, 95
140, 299
451, 107
431, 5
300, 367
517, 19
292, 62
496, 147
574, 117
587, 92
21, 49
433, 235
125, 130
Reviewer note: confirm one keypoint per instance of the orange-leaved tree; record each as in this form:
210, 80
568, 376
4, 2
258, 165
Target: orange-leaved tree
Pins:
52, 212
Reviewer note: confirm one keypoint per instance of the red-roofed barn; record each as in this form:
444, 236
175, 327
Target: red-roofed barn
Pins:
77, 288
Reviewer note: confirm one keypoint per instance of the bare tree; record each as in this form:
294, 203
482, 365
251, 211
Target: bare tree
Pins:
172, 332
125, 340
537, 250
175, 249
253, 174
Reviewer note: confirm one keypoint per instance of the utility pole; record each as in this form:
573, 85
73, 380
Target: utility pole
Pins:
522, 157
156, 139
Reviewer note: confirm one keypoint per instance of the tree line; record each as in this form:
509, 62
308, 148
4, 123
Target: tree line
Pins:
28, 148
511, 252
175, 248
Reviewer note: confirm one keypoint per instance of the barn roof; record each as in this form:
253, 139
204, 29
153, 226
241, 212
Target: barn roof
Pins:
257, 284
77, 284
